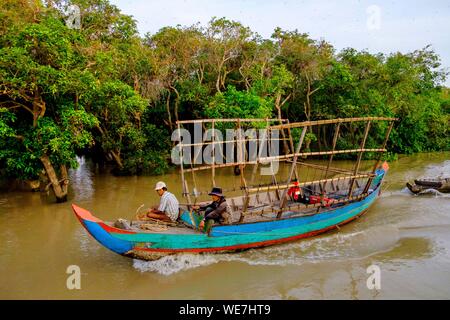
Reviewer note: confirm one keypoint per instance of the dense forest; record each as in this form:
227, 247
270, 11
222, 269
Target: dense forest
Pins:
105, 91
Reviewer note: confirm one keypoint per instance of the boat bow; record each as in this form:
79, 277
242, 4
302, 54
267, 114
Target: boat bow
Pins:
102, 232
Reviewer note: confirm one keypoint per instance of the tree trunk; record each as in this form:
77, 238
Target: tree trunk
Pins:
219, 74
65, 178
59, 188
38, 108
246, 82
116, 157
309, 93
168, 111
200, 74
136, 85
218, 82
278, 105
177, 101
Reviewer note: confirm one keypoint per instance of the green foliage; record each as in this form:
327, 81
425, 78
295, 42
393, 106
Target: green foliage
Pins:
238, 104
153, 157
399, 85
65, 91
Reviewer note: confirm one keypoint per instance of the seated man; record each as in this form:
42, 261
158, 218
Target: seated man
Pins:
300, 194
168, 206
295, 191
217, 210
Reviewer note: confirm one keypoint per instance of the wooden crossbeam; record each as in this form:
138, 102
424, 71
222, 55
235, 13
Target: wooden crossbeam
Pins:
331, 121
358, 161
227, 120
324, 168
223, 142
291, 173
300, 184
386, 138
284, 157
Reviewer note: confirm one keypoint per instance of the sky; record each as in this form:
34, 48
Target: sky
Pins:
377, 25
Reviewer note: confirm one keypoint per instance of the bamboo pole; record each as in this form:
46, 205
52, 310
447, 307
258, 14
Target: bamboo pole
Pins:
377, 163
274, 178
183, 180
358, 162
300, 184
321, 153
330, 121
217, 142
213, 167
227, 120
298, 206
284, 157
291, 142
241, 167
197, 151
319, 205
331, 169
260, 148
195, 183
283, 135
336, 134
291, 173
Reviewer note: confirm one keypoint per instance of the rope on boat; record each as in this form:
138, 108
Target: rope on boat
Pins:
156, 221
153, 227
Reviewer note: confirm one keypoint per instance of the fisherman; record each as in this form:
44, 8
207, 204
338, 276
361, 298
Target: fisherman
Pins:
217, 211
299, 194
295, 191
168, 209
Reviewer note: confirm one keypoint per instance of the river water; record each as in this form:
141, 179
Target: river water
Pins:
406, 236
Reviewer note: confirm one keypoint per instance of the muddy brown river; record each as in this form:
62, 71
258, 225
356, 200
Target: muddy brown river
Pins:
406, 236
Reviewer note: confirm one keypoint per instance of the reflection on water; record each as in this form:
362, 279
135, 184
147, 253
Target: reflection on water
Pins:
407, 236
81, 180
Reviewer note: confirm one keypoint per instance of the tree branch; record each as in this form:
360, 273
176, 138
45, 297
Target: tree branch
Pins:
17, 105
285, 100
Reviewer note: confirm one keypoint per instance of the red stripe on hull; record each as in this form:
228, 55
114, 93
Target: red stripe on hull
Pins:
83, 215
255, 244
114, 230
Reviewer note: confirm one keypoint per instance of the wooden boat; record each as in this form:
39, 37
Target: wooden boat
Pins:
422, 185
265, 214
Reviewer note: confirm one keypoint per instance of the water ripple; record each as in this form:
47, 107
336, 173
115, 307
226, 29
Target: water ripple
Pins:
338, 246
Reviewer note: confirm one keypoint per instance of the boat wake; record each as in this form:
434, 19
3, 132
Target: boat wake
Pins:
434, 192
406, 193
403, 192
175, 263
338, 246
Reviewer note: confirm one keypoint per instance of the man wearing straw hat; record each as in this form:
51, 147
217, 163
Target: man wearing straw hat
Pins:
168, 209
217, 211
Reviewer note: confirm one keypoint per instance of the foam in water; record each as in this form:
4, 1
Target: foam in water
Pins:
435, 193
175, 263
333, 247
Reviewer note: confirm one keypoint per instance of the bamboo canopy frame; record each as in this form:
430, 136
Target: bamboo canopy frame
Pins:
294, 157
